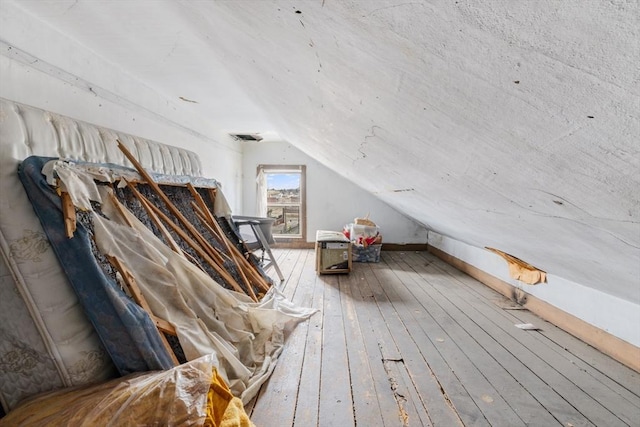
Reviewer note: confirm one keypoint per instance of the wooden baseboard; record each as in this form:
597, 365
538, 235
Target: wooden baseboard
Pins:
385, 246
404, 247
294, 245
622, 351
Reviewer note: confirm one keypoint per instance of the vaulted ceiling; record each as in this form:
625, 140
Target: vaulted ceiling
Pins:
509, 124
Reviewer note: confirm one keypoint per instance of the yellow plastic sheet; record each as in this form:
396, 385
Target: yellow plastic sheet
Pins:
189, 394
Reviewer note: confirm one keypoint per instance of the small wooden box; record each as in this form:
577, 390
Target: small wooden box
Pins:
333, 252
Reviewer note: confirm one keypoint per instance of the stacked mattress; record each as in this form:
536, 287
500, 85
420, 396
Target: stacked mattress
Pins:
46, 341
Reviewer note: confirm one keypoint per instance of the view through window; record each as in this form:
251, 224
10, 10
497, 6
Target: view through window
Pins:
284, 193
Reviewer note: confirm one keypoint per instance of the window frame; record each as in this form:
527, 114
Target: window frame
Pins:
302, 170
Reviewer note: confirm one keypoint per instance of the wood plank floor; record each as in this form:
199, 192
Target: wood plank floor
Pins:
411, 341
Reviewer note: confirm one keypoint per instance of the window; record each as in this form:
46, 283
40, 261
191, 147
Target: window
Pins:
281, 196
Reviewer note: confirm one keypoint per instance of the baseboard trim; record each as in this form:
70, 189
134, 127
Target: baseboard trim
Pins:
293, 245
385, 246
404, 247
622, 351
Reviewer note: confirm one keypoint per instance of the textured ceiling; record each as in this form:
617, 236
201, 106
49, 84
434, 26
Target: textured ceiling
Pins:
509, 124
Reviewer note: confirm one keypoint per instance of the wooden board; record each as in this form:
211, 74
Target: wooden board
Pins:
336, 406
278, 396
588, 396
411, 341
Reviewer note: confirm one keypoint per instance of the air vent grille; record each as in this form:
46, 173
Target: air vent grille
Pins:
246, 136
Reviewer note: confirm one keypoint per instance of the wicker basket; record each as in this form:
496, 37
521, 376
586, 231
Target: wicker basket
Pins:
370, 253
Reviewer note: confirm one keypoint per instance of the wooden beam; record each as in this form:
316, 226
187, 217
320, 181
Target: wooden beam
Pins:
165, 233
69, 214
120, 209
217, 230
163, 325
238, 257
205, 224
213, 193
170, 206
156, 220
234, 260
243, 265
203, 244
201, 252
138, 297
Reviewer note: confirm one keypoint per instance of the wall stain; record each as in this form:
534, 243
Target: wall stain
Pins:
187, 100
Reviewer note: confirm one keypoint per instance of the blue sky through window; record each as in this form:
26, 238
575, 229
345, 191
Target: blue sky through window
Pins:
283, 181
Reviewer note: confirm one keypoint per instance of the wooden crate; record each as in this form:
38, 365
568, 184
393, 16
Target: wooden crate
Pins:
333, 253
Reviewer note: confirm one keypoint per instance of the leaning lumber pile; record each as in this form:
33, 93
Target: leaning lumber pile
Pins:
181, 216
214, 257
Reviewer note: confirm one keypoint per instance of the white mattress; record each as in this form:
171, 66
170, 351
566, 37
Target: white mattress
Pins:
46, 341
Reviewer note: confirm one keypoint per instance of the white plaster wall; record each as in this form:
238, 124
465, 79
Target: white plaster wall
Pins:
510, 124
332, 201
617, 316
41, 67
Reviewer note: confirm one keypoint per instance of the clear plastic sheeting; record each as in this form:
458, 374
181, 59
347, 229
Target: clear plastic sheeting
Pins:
189, 394
244, 337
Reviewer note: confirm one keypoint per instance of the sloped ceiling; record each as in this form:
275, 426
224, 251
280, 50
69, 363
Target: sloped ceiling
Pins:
510, 124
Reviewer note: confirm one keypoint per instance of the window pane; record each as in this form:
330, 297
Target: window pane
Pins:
275, 213
283, 188
283, 180
283, 202
287, 219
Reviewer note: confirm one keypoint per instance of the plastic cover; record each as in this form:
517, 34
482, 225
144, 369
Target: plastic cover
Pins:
189, 394
244, 337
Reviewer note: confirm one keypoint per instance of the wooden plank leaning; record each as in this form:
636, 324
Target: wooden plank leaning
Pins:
205, 223
203, 245
172, 243
121, 210
162, 325
163, 230
194, 245
168, 203
69, 214
201, 210
251, 268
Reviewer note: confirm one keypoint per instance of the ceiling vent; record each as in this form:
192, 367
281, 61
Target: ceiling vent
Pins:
246, 136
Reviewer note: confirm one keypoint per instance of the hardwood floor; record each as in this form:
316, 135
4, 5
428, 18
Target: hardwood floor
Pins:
411, 341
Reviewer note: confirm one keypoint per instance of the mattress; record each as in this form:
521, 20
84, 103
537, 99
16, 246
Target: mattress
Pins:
212, 313
46, 340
